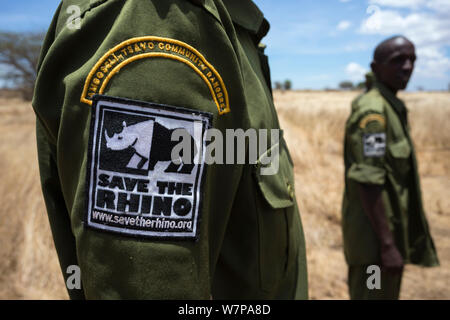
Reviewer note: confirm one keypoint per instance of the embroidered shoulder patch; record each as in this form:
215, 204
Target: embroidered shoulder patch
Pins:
135, 186
374, 144
372, 117
154, 47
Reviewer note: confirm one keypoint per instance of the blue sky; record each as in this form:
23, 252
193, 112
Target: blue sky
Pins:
26, 15
315, 43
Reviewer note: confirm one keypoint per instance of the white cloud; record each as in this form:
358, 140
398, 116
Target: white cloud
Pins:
398, 3
422, 28
440, 5
427, 24
432, 63
344, 25
355, 71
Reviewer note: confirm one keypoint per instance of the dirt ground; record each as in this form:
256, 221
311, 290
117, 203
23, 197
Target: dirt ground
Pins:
313, 124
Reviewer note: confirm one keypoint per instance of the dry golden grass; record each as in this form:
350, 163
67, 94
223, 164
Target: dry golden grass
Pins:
313, 123
28, 264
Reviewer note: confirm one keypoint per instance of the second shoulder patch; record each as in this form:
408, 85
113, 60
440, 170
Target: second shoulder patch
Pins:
372, 117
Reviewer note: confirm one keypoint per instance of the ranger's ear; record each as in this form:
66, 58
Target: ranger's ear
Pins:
124, 124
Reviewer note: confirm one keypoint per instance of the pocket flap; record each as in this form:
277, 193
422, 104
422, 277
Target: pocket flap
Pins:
366, 174
400, 149
277, 188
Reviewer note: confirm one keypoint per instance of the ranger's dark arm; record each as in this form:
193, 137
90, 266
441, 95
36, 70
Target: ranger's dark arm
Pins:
371, 197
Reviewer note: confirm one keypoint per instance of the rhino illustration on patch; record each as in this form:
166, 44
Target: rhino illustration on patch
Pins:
152, 143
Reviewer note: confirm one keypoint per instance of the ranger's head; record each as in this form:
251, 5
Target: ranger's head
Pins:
393, 62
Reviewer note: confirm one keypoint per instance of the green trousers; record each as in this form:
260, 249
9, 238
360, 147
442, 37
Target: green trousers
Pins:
358, 288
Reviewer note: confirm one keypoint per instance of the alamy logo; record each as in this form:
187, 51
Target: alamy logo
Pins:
73, 281
374, 280
134, 185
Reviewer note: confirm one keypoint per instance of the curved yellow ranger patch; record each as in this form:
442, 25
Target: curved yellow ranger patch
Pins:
154, 47
372, 117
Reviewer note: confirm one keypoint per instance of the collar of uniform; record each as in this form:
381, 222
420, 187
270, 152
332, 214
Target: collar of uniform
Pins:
246, 14
390, 96
370, 79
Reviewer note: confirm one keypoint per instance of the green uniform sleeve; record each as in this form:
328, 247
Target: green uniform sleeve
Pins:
115, 266
51, 187
56, 208
368, 147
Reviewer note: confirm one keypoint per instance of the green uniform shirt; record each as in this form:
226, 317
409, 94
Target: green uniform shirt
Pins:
378, 150
202, 57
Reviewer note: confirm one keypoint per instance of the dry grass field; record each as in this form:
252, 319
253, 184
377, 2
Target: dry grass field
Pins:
313, 124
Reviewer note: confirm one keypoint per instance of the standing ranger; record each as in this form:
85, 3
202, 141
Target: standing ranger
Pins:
383, 219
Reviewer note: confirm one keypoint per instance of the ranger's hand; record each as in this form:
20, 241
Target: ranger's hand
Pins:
391, 259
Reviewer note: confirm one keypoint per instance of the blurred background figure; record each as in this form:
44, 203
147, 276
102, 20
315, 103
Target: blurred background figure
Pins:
383, 221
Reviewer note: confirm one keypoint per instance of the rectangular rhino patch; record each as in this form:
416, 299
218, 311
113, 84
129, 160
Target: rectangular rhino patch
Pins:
374, 144
135, 184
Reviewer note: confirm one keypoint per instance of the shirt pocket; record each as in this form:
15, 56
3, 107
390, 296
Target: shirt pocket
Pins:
275, 198
400, 152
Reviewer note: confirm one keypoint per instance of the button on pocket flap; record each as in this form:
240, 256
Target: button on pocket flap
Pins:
400, 149
278, 186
